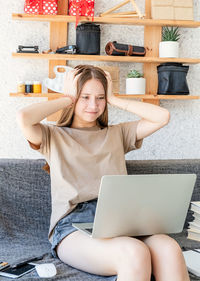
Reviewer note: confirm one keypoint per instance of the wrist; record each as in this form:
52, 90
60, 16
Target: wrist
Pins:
111, 100
73, 99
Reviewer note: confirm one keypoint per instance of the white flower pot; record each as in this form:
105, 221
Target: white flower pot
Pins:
169, 49
135, 86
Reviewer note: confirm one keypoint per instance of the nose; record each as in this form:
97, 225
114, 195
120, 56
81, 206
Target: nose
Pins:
93, 102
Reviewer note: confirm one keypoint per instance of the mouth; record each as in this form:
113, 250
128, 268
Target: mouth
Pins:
91, 112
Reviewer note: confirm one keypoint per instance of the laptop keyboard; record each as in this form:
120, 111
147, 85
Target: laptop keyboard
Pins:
89, 230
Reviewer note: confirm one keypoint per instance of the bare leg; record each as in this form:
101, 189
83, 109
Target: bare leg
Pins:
126, 257
167, 259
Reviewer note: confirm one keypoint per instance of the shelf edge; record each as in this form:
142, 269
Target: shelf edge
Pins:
155, 97
106, 20
105, 58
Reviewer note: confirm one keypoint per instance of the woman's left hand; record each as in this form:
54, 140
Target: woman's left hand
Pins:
110, 94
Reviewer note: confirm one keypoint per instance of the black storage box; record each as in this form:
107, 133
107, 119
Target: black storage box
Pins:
172, 79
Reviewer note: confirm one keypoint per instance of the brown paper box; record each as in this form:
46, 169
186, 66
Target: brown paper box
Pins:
183, 3
172, 9
183, 13
162, 13
162, 2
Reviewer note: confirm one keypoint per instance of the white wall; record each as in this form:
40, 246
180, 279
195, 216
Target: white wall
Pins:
179, 139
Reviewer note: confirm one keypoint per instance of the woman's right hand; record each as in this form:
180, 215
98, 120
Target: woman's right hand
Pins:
70, 85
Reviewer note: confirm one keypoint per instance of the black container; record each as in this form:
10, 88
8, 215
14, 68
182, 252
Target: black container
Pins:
172, 79
88, 39
28, 87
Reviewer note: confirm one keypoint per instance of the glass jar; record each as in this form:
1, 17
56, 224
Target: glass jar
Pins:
21, 87
37, 87
28, 87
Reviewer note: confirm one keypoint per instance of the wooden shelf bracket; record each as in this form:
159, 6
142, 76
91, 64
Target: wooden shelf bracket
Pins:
135, 13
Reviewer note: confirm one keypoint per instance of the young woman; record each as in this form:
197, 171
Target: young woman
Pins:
79, 150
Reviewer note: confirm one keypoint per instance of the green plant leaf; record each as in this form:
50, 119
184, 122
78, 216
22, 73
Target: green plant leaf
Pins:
170, 34
134, 74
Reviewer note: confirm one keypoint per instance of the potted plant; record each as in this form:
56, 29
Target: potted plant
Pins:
169, 47
135, 83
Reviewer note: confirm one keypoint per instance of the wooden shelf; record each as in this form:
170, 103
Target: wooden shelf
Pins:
39, 95
105, 58
159, 97
152, 36
106, 20
150, 97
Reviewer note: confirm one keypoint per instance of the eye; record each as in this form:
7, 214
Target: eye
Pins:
84, 97
101, 98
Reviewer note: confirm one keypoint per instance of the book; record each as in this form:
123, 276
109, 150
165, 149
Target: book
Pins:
196, 216
196, 221
192, 260
193, 235
193, 228
194, 225
195, 207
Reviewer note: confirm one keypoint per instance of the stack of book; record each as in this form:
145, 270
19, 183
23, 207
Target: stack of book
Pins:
194, 226
192, 260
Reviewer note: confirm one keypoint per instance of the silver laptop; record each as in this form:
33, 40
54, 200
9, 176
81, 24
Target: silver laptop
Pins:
136, 205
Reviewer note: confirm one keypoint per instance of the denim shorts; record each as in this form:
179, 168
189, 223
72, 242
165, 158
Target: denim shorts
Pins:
84, 212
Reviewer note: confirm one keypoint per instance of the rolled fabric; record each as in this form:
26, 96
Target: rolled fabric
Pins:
118, 49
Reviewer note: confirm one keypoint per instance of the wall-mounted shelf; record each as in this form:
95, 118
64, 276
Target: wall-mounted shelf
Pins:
156, 97
160, 97
39, 95
106, 58
106, 20
152, 37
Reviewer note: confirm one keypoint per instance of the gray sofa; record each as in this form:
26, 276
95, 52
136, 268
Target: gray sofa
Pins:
25, 211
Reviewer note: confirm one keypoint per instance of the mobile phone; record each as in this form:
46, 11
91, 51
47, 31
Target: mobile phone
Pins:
3, 265
18, 271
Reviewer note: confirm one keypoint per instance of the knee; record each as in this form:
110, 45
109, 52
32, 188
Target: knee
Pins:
133, 253
166, 246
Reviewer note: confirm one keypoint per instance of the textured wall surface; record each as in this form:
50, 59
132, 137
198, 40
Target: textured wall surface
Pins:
179, 139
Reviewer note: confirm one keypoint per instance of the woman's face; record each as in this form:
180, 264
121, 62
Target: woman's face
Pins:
91, 103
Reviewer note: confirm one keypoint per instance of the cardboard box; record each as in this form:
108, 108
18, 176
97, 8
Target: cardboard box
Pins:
162, 2
181, 13
162, 13
183, 3
172, 9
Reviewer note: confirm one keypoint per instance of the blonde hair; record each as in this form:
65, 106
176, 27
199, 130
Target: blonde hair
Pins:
87, 72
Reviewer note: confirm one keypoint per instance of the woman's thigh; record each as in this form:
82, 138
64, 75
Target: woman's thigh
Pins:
100, 256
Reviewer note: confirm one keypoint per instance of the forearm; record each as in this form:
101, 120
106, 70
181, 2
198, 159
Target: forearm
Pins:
147, 111
35, 113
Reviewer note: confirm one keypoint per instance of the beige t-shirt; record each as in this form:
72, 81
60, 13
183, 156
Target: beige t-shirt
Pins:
78, 158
